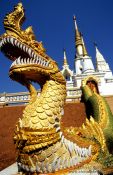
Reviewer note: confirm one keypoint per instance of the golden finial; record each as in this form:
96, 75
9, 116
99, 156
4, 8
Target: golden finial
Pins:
65, 58
84, 48
78, 40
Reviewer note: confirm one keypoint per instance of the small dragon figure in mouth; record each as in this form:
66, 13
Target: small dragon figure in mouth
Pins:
42, 145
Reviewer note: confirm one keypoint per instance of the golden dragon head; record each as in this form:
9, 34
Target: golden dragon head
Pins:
30, 62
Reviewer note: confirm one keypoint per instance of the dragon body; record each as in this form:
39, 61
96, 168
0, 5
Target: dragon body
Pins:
100, 111
43, 146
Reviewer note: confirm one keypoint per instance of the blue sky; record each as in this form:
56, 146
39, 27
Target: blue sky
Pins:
52, 21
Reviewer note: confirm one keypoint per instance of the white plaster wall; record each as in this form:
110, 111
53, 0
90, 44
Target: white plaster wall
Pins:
79, 83
106, 88
78, 66
88, 65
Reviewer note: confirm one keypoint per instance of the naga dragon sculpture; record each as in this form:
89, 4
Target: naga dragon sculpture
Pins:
43, 146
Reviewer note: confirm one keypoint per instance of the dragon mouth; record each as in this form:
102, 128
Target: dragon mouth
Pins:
12, 48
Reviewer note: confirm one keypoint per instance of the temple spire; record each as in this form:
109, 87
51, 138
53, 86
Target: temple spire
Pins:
99, 56
65, 58
101, 64
78, 39
66, 71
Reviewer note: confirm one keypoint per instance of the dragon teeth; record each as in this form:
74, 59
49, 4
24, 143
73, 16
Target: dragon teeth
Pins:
37, 58
28, 61
16, 61
15, 42
21, 46
44, 63
11, 40
25, 61
8, 39
18, 44
34, 58
21, 61
29, 51
41, 62
2, 42
5, 40
32, 54
34, 61
31, 61
24, 47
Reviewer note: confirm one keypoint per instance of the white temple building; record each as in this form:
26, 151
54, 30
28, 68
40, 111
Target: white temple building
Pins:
84, 68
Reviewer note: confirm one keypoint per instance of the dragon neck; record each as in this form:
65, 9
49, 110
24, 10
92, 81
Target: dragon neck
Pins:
45, 111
